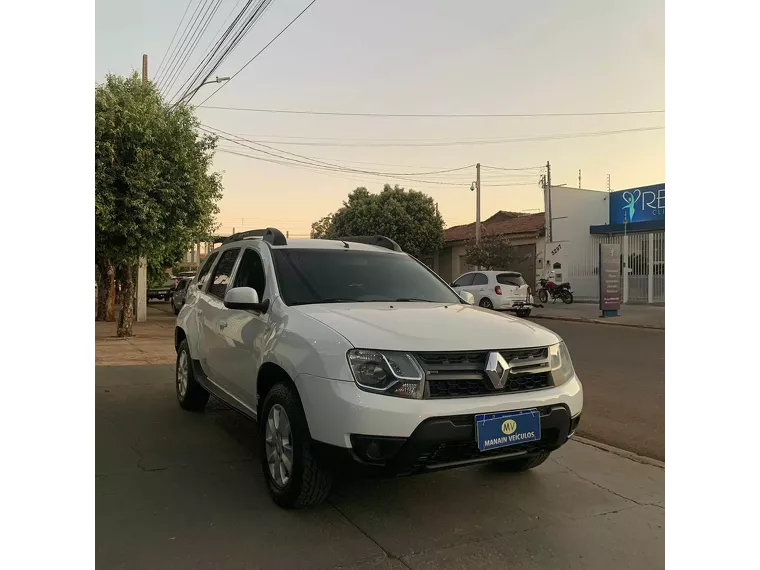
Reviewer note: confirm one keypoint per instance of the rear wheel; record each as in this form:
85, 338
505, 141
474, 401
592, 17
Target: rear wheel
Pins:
543, 296
295, 479
486, 303
523, 463
567, 297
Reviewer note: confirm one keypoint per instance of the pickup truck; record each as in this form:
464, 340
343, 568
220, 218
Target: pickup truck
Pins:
163, 292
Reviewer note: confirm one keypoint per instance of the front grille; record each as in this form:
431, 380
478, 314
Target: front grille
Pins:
462, 374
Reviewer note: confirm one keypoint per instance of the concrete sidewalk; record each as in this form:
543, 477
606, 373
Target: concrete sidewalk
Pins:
152, 343
643, 316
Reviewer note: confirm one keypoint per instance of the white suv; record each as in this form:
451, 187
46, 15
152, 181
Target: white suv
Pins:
351, 353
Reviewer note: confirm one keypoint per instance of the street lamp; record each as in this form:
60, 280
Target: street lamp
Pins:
194, 91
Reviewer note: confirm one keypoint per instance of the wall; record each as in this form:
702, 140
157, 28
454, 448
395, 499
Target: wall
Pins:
450, 262
574, 210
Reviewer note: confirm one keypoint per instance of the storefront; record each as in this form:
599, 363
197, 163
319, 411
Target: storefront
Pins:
633, 218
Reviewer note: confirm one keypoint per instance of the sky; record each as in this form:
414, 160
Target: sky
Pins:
418, 57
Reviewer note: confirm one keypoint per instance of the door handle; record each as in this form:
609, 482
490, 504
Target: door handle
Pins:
222, 324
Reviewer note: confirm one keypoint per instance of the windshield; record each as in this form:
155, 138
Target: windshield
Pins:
307, 276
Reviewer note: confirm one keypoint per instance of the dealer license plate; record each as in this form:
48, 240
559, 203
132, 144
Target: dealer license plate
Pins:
507, 428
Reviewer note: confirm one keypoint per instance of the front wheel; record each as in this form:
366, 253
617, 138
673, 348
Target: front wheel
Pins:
295, 478
543, 296
190, 395
567, 297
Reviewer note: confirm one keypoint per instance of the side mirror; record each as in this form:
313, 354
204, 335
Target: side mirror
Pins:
467, 297
245, 299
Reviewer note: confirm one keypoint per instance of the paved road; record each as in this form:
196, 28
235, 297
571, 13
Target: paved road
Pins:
623, 375
184, 490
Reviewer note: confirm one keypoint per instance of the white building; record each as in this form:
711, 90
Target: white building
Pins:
578, 220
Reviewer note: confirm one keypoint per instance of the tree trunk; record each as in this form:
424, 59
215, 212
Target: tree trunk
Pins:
106, 291
127, 306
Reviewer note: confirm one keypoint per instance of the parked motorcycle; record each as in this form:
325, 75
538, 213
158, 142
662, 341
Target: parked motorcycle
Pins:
550, 289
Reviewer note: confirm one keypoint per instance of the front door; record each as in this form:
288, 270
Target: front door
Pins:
479, 287
462, 284
244, 334
212, 318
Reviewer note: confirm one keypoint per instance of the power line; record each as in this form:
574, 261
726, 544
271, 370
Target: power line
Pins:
180, 46
216, 43
203, 70
259, 52
333, 172
465, 142
331, 165
193, 43
430, 115
158, 69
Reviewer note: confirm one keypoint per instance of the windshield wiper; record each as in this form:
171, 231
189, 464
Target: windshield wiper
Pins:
330, 300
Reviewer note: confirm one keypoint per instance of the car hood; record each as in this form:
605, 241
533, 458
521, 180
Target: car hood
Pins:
422, 327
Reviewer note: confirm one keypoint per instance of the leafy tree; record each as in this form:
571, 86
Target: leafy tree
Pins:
407, 217
154, 195
322, 228
493, 252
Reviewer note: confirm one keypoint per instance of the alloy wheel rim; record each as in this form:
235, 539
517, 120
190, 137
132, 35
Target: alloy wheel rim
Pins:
278, 442
182, 373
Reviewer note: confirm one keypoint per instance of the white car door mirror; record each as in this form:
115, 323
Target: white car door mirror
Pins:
246, 299
467, 297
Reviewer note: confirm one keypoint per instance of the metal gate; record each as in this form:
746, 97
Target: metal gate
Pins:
644, 257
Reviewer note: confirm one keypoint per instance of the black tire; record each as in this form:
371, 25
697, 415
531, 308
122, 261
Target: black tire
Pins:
194, 397
567, 297
486, 303
543, 296
174, 307
310, 481
522, 463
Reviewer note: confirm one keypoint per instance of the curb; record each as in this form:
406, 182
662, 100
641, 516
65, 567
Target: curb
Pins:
619, 452
598, 321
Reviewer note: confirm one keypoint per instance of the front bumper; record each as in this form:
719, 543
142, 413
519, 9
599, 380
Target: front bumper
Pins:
444, 443
336, 410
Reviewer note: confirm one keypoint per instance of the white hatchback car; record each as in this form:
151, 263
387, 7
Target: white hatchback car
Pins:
499, 290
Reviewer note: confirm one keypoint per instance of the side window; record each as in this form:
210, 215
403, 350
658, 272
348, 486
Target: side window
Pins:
222, 272
203, 273
464, 280
250, 272
480, 279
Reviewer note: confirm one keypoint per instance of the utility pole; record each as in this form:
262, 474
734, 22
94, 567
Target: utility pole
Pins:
549, 201
142, 266
477, 204
579, 179
608, 184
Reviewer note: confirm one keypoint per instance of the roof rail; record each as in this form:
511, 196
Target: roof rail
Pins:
269, 235
380, 241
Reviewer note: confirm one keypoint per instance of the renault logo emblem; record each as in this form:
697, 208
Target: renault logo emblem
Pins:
497, 370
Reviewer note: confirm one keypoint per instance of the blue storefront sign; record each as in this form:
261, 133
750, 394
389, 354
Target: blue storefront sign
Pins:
643, 204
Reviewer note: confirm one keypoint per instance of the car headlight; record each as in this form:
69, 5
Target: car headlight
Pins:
385, 372
562, 366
